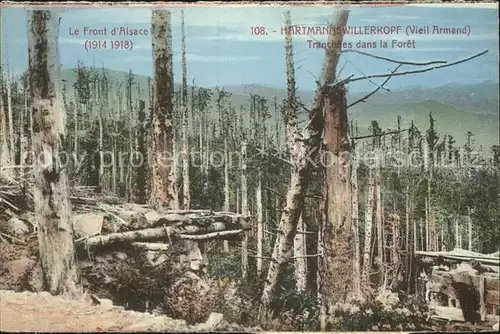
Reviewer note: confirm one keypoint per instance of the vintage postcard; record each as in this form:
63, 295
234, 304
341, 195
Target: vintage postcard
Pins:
249, 167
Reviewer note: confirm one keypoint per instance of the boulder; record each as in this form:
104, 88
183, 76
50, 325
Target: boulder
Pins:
213, 320
87, 224
18, 268
16, 227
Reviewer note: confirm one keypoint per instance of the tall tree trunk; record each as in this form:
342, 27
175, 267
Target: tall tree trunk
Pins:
299, 252
303, 150
226, 187
238, 201
394, 248
365, 275
469, 228
379, 214
163, 189
260, 222
141, 172
22, 139
427, 235
244, 210
185, 140
336, 263
101, 153
4, 148
114, 167
355, 224
200, 142
11, 120
50, 192
422, 236
407, 232
131, 140
415, 239
443, 242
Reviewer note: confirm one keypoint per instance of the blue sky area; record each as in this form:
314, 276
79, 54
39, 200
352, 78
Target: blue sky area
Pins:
221, 50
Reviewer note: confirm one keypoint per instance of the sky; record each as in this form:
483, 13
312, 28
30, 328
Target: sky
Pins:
221, 50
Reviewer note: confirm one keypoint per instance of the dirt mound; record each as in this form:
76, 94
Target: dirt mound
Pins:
42, 312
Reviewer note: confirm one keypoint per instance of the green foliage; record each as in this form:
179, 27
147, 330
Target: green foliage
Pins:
299, 312
375, 315
190, 302
225, 265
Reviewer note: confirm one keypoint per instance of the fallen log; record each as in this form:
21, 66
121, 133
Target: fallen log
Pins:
149, 234
150, 246
216, 235
201, 217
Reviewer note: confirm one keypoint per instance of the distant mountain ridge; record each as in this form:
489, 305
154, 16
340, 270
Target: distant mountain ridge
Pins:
479, 98
456, 108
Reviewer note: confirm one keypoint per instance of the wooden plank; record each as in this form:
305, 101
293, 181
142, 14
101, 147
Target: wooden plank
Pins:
463, 258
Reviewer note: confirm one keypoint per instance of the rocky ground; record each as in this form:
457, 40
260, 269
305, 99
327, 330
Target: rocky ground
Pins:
42, 312
23, 307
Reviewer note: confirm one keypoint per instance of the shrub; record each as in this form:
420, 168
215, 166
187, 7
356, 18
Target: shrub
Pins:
194, 301
296, 311
385, 313
225, 265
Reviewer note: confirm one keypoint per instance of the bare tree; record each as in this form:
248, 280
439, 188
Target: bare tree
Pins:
11, 118
163, 189
244, 209
185, 142
355, 222
365, 274
303, 148
335, 265
299, 253
50, 192
260, 222
5, 157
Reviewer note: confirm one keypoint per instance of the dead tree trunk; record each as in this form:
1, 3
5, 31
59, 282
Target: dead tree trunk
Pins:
260, 222
335, 266
11, 120
427, 236
299, 252
4, 147
244, 210
23, 121
101, 153
163, 187
141, 143
302, 157
226, 186
50, 192
407, 232
365, 275
379, 209
185, 141
469, 228
355, 224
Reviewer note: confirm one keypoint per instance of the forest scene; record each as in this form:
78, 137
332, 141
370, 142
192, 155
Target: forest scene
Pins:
229, 168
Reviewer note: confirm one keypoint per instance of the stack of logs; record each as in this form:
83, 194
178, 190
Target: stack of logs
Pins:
468, 282
129, 223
